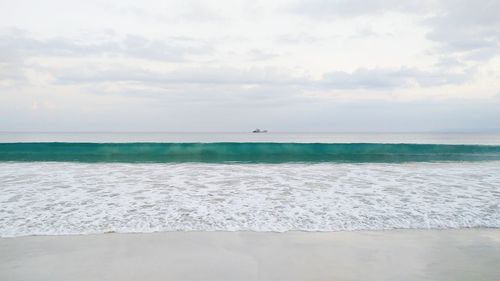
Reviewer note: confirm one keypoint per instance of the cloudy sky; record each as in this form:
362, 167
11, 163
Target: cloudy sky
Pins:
316, 65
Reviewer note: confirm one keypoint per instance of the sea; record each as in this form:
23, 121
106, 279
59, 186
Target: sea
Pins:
87, 183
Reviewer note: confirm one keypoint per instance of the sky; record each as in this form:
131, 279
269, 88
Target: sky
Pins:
297, 66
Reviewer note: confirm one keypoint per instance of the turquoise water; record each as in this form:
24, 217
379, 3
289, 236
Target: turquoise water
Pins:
246, 152
77, 183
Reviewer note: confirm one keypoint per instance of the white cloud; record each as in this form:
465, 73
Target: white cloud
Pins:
295, 64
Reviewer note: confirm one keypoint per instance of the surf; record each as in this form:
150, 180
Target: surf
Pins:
244, 152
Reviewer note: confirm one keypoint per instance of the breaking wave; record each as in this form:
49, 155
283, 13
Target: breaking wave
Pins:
245, 152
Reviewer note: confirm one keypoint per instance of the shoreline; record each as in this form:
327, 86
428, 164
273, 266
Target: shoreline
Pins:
402, 254
257, 231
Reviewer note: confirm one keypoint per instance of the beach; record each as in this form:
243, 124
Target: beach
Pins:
250, 140
465, 254
154, 207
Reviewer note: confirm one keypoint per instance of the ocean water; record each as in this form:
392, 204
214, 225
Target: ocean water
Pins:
159, 137
245, 152
97, 183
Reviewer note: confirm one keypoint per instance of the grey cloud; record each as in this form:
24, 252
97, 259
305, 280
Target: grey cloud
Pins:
10, 72
161, 12
175, 49
18, 44
369, 79
385, 78
328, 9
298, 38
224, 87
258, 55
467, 27
215, 95
180, 76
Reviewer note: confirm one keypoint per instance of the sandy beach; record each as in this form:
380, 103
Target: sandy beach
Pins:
237, 140
470, 254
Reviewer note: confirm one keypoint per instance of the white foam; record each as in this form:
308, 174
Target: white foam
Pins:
72, 198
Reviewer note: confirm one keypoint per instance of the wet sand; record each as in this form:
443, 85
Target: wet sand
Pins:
471, 254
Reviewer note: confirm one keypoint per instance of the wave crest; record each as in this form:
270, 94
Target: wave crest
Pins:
245, 152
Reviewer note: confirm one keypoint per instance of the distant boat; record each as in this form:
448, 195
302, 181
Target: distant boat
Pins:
259, 131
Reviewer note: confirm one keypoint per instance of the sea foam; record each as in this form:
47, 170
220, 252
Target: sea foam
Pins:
49, 198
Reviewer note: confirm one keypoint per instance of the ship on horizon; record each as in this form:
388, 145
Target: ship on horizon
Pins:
259, 131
